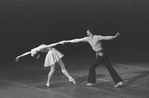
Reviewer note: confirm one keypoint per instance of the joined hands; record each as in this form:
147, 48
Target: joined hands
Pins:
63, 42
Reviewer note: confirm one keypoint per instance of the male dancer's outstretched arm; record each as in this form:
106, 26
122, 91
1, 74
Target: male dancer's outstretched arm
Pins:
77, 40
109, 37
85, 38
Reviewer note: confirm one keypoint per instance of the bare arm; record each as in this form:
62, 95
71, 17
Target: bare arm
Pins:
47, 46
35, 50
32, 52
39, 48
54, 44
76, 40
24, 54
109, 37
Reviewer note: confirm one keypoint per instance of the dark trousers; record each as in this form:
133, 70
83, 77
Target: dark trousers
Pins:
103, 60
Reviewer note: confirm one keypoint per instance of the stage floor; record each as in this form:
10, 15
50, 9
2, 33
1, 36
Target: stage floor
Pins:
27, 79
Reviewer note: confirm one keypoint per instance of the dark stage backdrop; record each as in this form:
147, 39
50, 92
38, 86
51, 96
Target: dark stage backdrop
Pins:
25, 24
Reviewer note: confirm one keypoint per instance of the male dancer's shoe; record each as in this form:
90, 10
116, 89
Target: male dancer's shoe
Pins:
118, 84
90, 84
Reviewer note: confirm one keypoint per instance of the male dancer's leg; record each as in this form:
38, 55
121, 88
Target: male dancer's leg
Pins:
92, 69
116, 78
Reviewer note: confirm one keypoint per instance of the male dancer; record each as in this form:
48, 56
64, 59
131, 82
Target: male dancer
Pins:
101, 57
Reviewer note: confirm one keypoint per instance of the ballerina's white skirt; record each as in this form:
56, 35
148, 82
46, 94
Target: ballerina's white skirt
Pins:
52, 57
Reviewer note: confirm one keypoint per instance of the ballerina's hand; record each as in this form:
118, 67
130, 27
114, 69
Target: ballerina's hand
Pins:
117, 34
17, 59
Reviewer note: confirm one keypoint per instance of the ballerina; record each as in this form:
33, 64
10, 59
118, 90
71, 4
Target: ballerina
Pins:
52, 58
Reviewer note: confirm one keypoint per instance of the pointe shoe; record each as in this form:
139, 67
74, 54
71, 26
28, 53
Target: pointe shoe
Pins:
118, 84
72, 80
47, 85
90, 84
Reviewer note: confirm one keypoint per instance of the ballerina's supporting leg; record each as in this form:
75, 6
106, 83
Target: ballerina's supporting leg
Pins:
50, 75
64, 71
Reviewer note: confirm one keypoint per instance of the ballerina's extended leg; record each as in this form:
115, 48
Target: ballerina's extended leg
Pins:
64, 71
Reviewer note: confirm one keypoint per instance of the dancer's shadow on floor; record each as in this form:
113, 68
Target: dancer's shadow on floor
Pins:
84, 78
130, 81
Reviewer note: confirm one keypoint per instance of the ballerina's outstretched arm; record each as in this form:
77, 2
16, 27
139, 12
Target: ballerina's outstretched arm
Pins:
32, 52
24, 54
39, 48
50, 45
54, 44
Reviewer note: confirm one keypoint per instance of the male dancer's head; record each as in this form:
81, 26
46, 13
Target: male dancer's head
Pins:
90, 31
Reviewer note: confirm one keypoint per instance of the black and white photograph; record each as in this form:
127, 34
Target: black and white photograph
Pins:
74, 48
